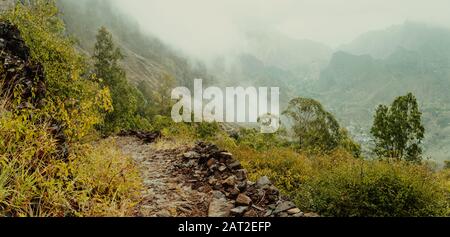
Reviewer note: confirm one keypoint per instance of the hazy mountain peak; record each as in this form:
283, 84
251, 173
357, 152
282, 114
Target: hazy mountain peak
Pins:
279, 50
413, 36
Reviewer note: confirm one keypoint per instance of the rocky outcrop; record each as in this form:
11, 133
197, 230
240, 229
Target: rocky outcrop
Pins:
19, 73
23, 79
216, 172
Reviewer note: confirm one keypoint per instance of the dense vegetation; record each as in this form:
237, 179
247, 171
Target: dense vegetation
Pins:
381, 65
35, 178
126, 99
398, 129
318, 164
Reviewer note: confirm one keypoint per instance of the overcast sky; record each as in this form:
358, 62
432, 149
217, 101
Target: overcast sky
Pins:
209, 27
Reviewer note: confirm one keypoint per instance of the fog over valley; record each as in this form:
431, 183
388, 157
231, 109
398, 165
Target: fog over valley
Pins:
212, 28
350, 56
225, 108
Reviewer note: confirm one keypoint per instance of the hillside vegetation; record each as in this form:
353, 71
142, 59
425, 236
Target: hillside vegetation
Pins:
381, 65
47, 166
55, 162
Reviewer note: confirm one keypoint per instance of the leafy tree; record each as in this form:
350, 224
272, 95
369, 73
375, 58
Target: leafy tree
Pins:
447, 164
124, 96
313, 126
162, 95
398, 129
159, 99
348, 144
317, 129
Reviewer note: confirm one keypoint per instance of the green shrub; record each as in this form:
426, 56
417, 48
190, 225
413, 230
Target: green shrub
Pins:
206, 130
107, 182
96, 180
259, 141
170, 129
73, 97
383, 188
337, 184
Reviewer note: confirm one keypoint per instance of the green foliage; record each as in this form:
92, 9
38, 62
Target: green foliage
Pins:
398, 129
336, 184
316, 129
96, 180
108, 183
186, 131
446, 164
158, 100
73, 99
170, 129
125, 98
207, 130
260, 141
377, 189
100, 181
313, 126
350, 145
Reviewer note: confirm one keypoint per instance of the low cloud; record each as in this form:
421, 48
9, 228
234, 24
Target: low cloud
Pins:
207, 28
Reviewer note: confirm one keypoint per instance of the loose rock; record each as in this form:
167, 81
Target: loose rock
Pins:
293, 211
211, 162
239, 210
219, 206
263, 182
284, 206
234, 194
191, 155
230, 181
243, 199
235, 165
241, 174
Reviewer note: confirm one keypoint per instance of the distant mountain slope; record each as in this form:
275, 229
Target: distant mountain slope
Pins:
304, 58
375, 68
424, 39
146, 57
380, 66
272, 59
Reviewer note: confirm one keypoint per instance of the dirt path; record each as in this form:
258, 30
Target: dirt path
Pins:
166, 193
200, 180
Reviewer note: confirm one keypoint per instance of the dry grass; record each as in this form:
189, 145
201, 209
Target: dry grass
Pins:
97, 181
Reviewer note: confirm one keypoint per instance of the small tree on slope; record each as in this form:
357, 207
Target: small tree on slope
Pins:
398, 130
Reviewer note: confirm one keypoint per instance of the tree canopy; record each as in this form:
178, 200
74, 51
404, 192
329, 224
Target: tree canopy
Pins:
317, 129
125, 97
398, 129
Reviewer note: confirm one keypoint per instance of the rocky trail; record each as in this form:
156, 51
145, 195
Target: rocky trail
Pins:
200, 181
